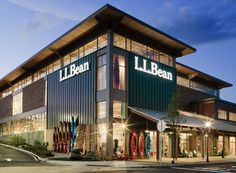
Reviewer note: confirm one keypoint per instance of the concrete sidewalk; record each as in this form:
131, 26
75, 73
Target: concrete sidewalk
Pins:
140, 163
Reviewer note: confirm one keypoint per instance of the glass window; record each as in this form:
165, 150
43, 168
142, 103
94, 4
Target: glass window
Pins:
119, 72
102, 41
232, 145
74, 56
232, 116
90, 47
220, 144
102, 131
118, 138
56, 65
42, 73
222, 114
156, 56
66, 60
16, 87
149, 53
182, 81
101, 72
138, 48
81, 52
29, 80
17, 103
164, 58
118, 109
119, 41
101, 109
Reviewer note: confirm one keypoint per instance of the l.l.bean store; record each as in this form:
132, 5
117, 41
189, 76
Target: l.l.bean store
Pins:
105, 85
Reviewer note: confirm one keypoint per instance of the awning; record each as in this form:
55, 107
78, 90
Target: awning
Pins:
190, 119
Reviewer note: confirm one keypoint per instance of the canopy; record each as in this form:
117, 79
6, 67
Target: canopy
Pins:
189, 119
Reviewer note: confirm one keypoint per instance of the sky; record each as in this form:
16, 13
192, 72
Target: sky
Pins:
27, 26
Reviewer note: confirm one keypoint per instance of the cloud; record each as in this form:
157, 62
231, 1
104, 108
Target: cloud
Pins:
40, 21
47, 14
201, 23
69, 9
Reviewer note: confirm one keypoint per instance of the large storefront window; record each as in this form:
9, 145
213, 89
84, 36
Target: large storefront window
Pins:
118, 109
101, 109
232, 145
232, 116
183, 142
119, 72
31, 123
118, 139
102, 139
101, 72
220, 144
17, 103
222, 114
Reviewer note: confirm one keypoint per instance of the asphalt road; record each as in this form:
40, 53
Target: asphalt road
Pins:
9, 154
13, 161
12, 158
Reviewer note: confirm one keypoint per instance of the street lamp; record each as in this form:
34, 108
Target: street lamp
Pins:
208, 124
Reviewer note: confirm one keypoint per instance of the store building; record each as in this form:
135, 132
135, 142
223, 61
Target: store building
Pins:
115, 75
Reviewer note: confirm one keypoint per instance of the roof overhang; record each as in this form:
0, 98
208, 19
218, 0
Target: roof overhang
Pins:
109, 17
192, 73
189, 119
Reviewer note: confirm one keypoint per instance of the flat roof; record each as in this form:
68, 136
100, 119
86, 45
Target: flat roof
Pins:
191, 73
216, 100
109, 16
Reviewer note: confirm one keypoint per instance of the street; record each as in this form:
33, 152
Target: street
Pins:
13, 161
12, 157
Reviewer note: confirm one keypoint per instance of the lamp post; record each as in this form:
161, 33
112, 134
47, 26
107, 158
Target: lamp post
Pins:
208, 124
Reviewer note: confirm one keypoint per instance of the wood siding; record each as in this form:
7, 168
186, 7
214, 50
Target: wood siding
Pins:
6, 107
34, 95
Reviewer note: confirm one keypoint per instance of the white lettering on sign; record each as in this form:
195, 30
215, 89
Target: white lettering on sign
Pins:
154, 69
73, 70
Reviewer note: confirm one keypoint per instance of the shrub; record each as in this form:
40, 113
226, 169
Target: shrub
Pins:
17, 141
38, 148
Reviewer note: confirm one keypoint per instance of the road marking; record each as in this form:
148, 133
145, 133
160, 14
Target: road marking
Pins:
202, 169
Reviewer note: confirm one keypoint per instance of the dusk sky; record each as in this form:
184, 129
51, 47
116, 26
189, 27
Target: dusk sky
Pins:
27, 26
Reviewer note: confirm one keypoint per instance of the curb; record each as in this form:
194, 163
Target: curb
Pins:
164, 165
36, 157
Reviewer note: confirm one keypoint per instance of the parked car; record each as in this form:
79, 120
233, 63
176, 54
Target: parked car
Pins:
76, 154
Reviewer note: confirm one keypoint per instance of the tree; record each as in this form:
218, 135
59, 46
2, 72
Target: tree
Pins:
174, 120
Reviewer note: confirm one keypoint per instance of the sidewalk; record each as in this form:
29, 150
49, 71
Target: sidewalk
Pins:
144, 163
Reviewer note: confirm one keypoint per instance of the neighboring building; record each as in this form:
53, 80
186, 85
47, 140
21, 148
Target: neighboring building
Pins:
115, 75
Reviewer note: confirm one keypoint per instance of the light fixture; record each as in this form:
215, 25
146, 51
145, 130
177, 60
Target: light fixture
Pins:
123, 126
208, 124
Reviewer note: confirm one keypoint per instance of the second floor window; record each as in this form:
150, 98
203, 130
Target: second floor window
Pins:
222, 114
101, 72
119, 72
17, 103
